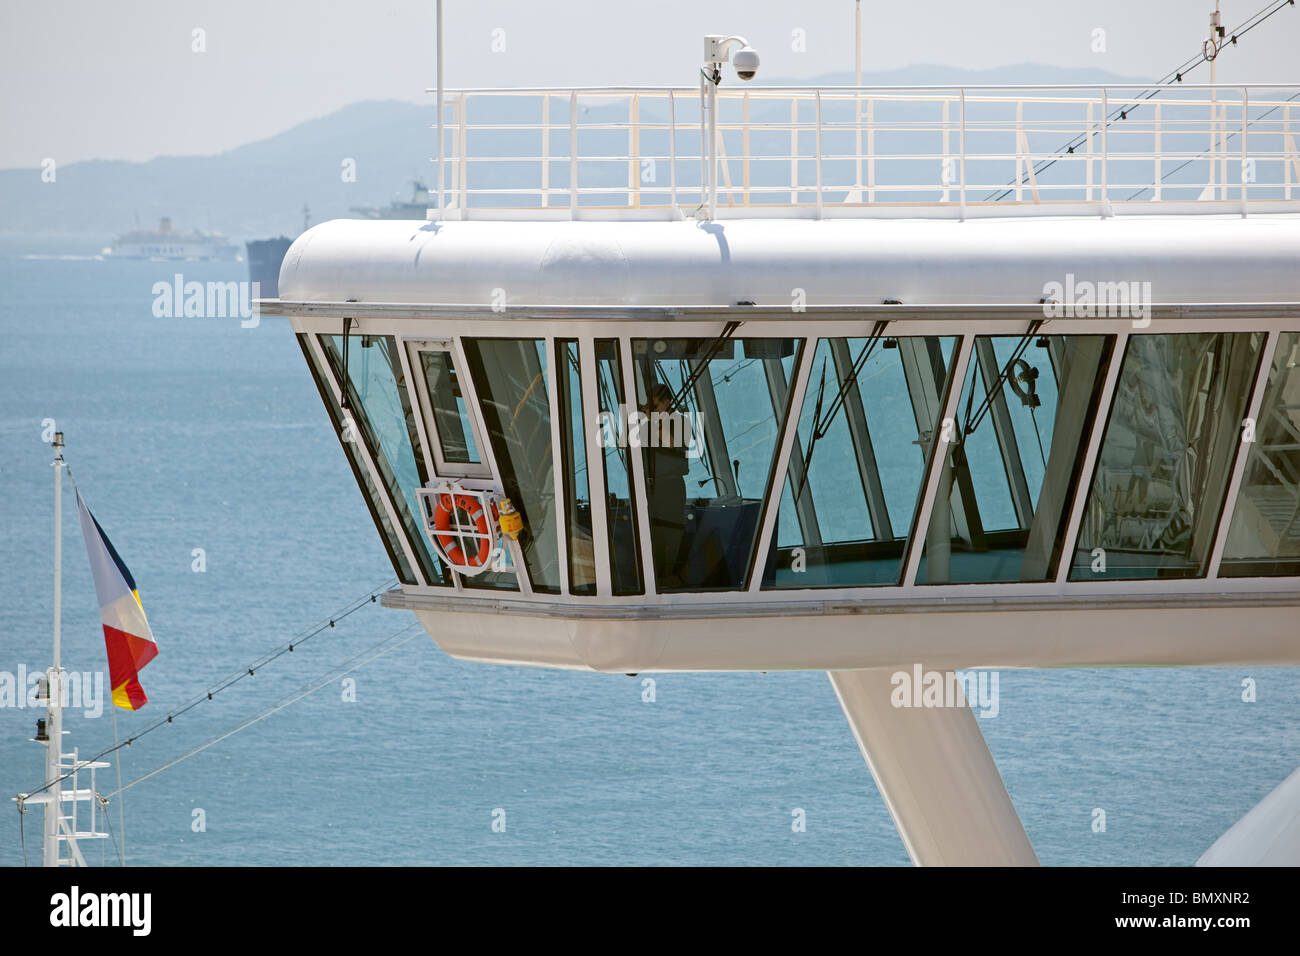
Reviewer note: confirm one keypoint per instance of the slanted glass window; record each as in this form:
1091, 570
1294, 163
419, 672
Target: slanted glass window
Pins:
381, 411
511, 383
1264, 538
451, 418
1167, 455
624, 540
856, 471
374, 500
1010, 473
715, 409
573, 450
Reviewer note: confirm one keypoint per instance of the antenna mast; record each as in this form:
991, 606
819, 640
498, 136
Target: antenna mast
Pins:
54, 676
436, 212
58, 825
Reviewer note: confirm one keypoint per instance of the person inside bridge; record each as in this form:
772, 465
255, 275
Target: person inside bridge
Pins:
667, 466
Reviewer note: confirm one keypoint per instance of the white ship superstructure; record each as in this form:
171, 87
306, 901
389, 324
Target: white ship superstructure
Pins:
909, 444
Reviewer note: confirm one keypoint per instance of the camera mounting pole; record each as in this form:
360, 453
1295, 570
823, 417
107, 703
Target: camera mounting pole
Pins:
717, 50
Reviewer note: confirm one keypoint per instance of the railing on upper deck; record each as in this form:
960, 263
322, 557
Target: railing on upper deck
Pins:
871, 151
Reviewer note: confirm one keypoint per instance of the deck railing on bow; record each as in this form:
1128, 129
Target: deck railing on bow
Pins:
870, 151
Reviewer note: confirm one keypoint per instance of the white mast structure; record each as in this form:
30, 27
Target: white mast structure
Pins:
1210, 50
440, 201
59, 828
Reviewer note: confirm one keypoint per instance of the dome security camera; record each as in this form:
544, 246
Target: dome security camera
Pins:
745, 61
717, 50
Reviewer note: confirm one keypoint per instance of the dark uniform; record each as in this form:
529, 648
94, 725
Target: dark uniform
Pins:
668, 468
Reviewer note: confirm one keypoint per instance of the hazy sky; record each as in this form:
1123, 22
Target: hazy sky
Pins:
120, 79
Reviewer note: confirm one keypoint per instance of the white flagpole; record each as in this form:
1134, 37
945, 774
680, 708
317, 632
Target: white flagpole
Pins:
121, 797
54, 680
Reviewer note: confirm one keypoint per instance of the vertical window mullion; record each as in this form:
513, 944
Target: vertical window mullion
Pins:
589, 416
1243, 453
938, 460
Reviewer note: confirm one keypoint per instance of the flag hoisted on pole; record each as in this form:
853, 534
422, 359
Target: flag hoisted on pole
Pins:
127, 635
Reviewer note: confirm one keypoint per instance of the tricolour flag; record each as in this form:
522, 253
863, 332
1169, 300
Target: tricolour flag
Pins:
126, 630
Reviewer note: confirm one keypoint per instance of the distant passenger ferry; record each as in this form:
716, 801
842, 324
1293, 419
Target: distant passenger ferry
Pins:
165, 243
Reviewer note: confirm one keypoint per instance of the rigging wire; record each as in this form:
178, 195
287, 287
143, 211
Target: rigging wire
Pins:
372, 653
1173, 76
1038, 435
370, 597
1226, 139
703, 362
973, 421
821, 425
108, 817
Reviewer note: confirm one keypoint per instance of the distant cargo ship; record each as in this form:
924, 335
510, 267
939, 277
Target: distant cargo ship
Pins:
166, 243
417, 208
265, 257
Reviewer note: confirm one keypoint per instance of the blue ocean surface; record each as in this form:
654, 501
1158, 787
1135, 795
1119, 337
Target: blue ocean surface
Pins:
186, 433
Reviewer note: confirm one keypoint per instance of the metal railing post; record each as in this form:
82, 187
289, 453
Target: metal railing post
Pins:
634, 151
871, 150
573, 153
1105, 151
946, 167
794, 149
1089, 153
1288, 151
744, 145
962, 145
672, 148
704, 142
819, 153
462, 164
546, 150
1245, 114
1020, 157
1159, 156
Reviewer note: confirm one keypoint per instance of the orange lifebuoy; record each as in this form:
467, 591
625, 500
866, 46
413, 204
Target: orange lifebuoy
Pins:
450, 542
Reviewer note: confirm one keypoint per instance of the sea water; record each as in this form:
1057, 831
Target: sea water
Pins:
187, 434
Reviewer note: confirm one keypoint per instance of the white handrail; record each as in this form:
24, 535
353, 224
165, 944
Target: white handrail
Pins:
1008, 137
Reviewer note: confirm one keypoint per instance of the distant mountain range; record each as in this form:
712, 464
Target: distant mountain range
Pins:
259, 189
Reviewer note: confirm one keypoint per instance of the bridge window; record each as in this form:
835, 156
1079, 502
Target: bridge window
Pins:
624, 541
573, 449
1166, 456
1264, 538
869, 416
452, 424
381, 415
374, 500
1009, 477
510, 381
715, 407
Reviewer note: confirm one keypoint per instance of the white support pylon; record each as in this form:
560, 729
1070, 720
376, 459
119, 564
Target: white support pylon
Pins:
936, 776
